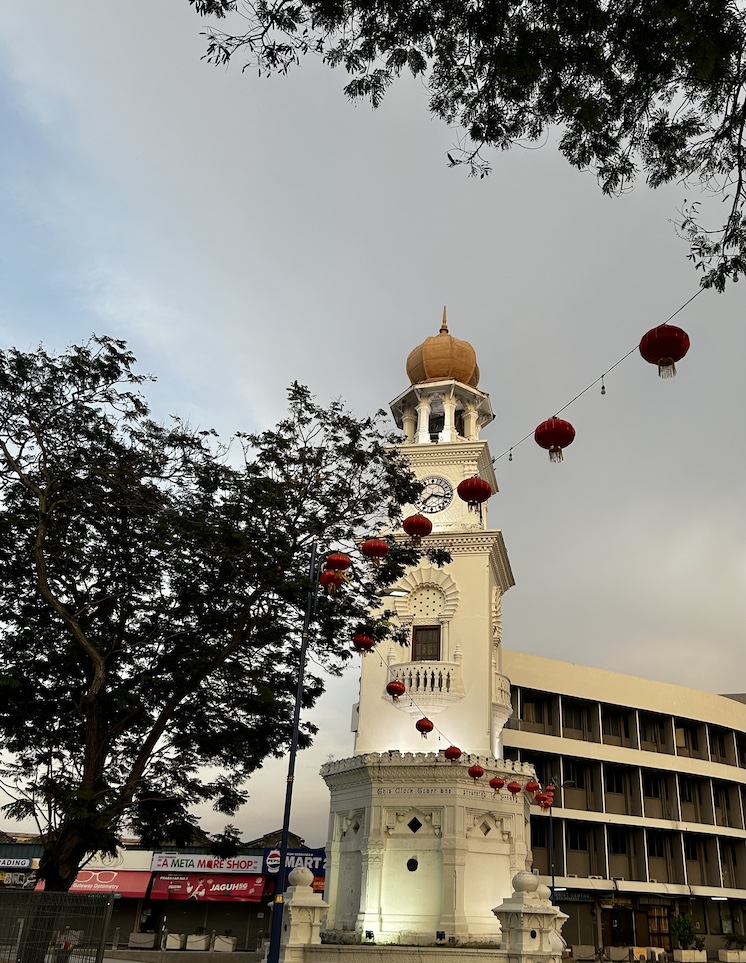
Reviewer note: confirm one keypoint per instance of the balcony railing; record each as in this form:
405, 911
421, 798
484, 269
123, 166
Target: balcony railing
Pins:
431, 685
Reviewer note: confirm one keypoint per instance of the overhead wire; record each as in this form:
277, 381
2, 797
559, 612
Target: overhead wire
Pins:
530, 434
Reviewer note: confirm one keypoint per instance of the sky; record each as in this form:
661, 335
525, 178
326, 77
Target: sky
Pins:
241, 233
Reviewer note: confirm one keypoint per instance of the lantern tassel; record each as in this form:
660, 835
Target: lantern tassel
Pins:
666, 368
555, 454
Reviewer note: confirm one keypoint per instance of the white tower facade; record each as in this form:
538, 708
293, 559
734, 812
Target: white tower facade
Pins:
420, 851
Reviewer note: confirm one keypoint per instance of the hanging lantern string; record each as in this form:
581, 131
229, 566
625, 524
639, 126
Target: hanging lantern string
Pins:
595, 381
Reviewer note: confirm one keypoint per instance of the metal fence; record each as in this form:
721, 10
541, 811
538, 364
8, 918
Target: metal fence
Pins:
53, 927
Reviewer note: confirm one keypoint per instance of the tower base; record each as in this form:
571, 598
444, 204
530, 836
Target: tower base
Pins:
418, 851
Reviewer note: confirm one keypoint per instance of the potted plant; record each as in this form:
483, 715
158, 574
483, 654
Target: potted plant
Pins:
199, 940
735, 949
225, 943
684, 933
174, 941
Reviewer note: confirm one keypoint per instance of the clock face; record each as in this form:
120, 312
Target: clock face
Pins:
436, 495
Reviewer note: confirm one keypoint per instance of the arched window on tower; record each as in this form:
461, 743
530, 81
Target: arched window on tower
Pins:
425, 643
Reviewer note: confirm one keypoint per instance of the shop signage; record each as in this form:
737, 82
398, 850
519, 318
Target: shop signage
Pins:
15, 880
574, 896
313, 859
213, 887
15, 862
191, 863
124, 882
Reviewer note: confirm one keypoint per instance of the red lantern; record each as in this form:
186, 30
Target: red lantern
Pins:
363, 642
550, 789
423, 726
331, 580
375, 549
338, 562
514, 788
541, 798
476, 772
496, 783
395, 688
554, 434
664, 346
474, 491
532, 785
417, 526
452, 754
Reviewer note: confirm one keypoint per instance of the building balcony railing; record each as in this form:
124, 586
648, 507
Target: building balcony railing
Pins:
432, 685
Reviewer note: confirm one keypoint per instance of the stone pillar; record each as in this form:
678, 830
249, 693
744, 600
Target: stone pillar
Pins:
301, 918
471, 426
369, 917
409, 424
531, 924
423, 421
449, 428
453, 920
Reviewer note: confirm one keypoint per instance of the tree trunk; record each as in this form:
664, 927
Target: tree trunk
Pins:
62, 857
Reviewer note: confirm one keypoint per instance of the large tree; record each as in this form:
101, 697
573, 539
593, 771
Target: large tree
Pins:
652, 88
152, 585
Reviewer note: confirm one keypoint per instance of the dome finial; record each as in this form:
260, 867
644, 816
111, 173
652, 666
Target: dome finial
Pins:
444, 325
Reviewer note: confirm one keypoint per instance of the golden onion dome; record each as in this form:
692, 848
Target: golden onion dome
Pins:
443, 357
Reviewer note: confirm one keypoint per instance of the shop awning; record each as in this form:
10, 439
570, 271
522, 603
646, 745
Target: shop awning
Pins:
235, 887
122, 881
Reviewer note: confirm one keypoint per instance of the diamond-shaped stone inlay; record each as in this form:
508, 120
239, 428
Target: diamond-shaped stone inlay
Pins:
414, 824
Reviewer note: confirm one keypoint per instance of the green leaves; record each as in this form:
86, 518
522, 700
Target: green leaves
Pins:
152, 592
656, 88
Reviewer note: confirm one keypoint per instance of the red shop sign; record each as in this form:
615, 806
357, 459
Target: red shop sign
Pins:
233, 887
125, 882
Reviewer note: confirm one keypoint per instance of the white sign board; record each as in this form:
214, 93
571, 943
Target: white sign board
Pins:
191, 863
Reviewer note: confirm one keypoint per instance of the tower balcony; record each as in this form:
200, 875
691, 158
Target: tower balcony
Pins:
501, 692
502, 707
432, 685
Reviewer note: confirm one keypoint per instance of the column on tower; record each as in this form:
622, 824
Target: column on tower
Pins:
423, 420
449, 410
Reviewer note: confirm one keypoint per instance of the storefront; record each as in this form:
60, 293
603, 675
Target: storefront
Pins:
192, 894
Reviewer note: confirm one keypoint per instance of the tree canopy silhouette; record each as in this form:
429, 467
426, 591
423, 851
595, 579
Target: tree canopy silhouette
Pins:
152, 586
630, 89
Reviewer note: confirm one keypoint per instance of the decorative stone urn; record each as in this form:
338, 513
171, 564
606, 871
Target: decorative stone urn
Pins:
531, 924
302, 915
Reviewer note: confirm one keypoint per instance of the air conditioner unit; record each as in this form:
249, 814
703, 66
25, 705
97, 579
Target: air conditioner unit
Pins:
595, 877
572, 875
536, 872
653, 880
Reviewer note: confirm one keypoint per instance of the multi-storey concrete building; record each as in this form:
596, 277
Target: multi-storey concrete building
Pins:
650, 809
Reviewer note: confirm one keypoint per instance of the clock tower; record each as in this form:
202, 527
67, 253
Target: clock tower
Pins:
417, 846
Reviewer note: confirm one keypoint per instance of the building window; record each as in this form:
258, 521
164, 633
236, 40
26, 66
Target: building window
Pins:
691, 848
536, 709
426, 643
615, 724
686, 738
717, 744
575, 773
652, 731
685, 788
651, 785
618, 845
656, 843
539, 833
575, 716
577, 837
614, 779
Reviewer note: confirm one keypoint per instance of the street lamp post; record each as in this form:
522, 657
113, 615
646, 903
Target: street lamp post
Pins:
275, 933
554, 780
